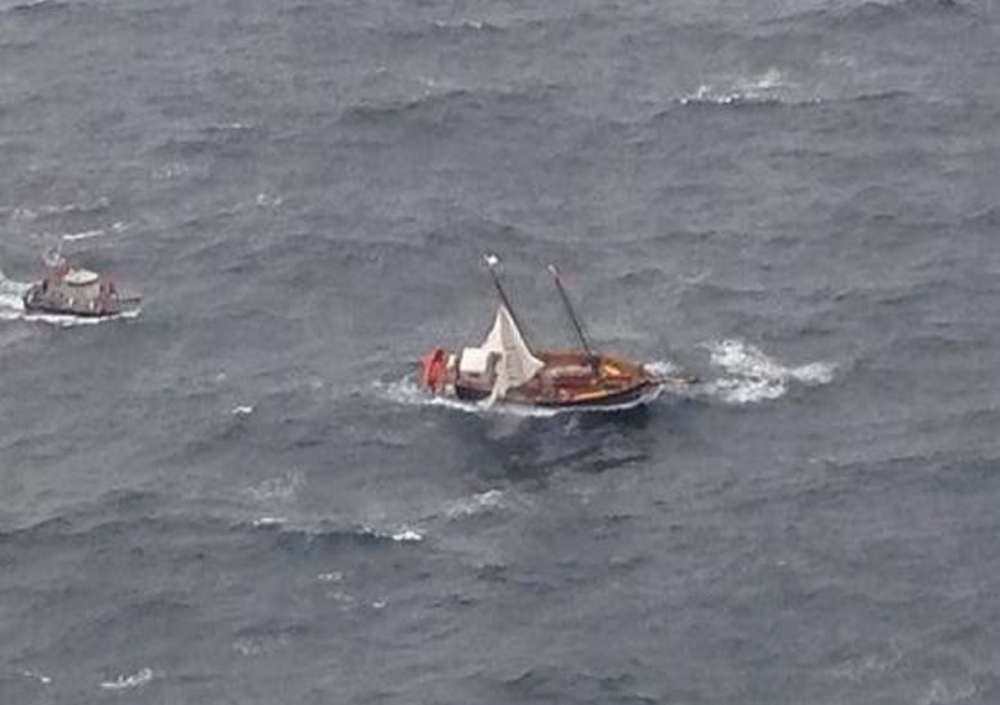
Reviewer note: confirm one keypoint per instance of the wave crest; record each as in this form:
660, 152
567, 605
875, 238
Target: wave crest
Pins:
122, 682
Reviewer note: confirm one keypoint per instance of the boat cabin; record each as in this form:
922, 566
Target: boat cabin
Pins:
477, 366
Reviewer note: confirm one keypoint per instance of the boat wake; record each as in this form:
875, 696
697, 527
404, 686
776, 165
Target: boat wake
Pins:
11, 291
751, 376
12, 308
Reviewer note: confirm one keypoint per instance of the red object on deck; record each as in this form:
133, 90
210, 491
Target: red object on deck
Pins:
435, 369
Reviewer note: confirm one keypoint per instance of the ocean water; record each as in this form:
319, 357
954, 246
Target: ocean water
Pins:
240, 495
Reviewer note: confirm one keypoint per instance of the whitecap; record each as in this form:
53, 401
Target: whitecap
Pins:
467, 24
477, 504
401, 535
765, 88
268, 523
407, 536
23, 213
85, 235
345, 599
247, 647
12, 292
941, 692
242, 410
40, 677
283, 488
259, 643
267, 201
170, 172
140, 678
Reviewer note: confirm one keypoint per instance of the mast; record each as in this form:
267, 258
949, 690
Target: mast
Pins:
573, 317
493, 262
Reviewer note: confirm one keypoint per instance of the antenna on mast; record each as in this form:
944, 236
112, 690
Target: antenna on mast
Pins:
573, 317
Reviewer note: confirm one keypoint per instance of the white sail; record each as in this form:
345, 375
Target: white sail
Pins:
516, 365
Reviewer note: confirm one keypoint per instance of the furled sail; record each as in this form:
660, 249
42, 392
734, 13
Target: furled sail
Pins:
516, 365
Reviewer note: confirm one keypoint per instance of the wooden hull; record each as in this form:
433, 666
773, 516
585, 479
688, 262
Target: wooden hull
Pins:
604, 399
570, 379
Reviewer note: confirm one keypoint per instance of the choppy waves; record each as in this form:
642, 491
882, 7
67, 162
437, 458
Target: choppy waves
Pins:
872, 15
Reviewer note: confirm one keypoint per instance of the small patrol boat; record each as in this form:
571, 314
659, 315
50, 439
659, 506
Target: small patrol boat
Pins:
506, 369
73, 291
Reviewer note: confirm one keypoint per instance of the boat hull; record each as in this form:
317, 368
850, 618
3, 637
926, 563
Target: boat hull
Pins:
619, 398
571, 379
37, 301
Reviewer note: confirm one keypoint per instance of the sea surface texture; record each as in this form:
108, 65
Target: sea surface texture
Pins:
240, 495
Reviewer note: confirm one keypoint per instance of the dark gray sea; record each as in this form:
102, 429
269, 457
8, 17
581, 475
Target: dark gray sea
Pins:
241, 495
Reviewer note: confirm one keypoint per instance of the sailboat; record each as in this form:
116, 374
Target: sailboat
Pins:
505, 368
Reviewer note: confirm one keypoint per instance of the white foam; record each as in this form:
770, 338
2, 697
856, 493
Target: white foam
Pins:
755, 377
407, 536
28, 4
140, 678
267, 201
85, 235
23, 213
476, 504
466, 24
346, 600
242, 410
261, 643
268, 523
170, 171
247, 647
11, 292
661, 368
759, 89
40, 677
402, 534
943, 693
284, 487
